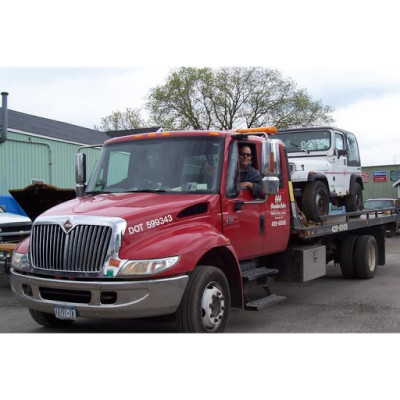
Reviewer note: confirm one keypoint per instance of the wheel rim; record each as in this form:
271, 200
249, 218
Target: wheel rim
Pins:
212, 306
371, 258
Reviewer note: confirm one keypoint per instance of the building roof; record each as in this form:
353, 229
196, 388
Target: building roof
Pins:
53, 129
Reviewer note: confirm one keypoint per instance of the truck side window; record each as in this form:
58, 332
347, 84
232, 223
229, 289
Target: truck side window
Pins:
353, 156
232, 175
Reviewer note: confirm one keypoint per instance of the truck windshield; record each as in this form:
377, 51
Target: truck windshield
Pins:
306, 141
173, 165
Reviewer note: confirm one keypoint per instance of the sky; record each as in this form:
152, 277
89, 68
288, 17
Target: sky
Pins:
365, 100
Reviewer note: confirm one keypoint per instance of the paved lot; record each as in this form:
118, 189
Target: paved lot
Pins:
327, 305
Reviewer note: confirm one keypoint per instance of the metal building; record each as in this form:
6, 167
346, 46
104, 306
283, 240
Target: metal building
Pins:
378, 181
39, 149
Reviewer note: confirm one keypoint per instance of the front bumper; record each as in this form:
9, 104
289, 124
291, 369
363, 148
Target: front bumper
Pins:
130, 299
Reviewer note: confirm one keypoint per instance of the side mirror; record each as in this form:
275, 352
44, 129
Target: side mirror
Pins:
342, 153
270, 157
270, 185
80, 173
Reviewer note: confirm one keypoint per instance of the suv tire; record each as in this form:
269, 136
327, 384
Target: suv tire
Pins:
354, 202
315, 201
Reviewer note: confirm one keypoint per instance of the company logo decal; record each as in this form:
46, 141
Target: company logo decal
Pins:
67, 226
277, 204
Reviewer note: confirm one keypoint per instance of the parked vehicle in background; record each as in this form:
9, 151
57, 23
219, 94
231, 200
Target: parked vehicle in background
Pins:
324, 167
372, 204
384, 204
13, 229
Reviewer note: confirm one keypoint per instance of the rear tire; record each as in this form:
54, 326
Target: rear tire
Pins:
315, 201
49, 320
205, 305
365, 257
354, 202
347, 256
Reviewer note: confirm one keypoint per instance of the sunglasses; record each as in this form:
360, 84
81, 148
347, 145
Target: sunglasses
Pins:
245, 155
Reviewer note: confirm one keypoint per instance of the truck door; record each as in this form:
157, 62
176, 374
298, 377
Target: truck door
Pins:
243, 218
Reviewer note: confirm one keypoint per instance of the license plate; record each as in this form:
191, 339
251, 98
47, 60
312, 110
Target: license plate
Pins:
65, 312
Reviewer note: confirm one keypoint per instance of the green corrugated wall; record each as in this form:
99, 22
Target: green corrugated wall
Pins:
24, 157
379, 180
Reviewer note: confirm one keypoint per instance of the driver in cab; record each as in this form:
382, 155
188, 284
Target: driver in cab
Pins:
250, 177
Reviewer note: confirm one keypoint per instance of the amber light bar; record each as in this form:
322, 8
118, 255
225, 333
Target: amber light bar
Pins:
266, 129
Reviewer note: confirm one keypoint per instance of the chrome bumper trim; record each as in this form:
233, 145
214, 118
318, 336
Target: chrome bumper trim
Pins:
134, 299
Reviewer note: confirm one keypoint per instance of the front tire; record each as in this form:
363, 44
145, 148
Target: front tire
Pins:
205, 305
49, 320
315, 201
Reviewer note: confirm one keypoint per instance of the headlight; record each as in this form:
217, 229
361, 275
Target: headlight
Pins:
147, 267
20, 261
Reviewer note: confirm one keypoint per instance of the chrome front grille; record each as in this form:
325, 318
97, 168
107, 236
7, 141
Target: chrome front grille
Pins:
83, 249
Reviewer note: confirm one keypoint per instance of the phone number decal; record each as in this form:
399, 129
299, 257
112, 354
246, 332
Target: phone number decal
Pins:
153, 223
279, 223
340, 228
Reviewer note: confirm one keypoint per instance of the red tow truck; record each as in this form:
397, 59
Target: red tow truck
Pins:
163, 227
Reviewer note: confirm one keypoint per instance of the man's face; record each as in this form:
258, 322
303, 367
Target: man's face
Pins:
245, 156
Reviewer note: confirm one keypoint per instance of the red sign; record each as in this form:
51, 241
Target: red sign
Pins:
380, 176
365, 177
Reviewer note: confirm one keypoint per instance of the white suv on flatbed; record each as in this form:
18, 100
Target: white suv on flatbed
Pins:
325, 167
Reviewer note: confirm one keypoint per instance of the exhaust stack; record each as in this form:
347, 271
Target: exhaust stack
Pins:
4, 127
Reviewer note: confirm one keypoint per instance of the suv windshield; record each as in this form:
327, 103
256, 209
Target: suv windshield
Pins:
306, 141
189, 165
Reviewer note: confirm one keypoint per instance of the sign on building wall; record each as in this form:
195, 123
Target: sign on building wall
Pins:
365, 177
395, 175
380, 176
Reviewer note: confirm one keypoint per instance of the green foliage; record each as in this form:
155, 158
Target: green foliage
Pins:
230, 98
117, 120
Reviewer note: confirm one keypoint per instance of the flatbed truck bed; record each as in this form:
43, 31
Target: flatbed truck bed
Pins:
331, 224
